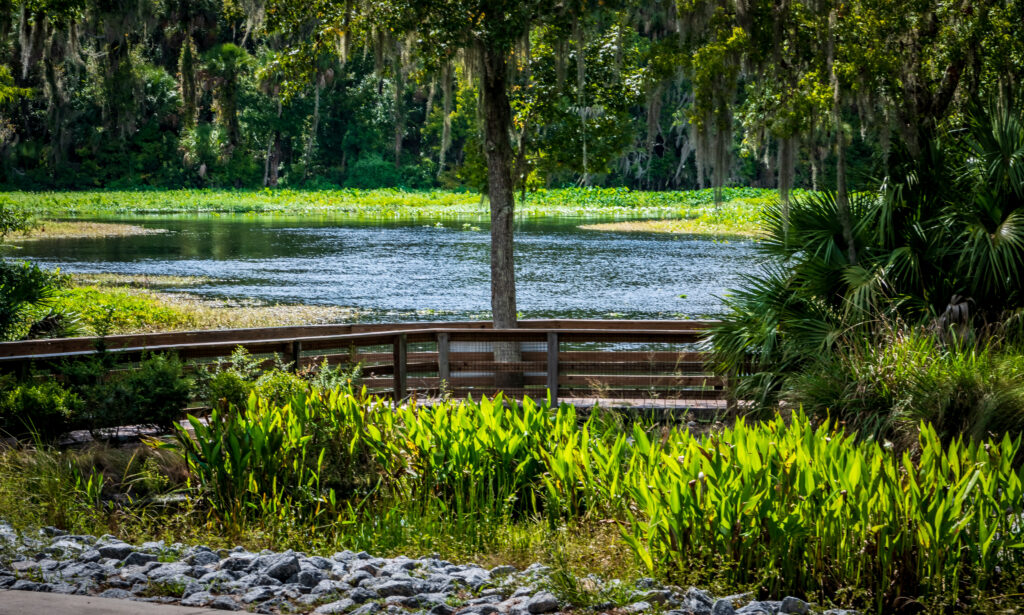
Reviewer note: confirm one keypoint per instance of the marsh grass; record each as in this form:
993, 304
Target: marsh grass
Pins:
136, 307
66, 229
382, 203
736, 217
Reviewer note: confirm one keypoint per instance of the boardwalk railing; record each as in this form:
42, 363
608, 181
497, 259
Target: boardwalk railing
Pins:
630, 361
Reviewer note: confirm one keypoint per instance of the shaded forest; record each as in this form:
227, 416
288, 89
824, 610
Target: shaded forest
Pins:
249, 93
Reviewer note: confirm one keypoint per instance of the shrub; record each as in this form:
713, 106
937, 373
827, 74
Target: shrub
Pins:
37, 409
371, 171
156, 393
25, 288
886, 388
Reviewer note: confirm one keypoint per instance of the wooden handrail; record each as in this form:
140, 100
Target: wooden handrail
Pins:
152, 340
456, 365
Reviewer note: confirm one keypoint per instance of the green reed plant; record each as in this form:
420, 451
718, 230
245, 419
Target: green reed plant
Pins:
252, 463
803, 508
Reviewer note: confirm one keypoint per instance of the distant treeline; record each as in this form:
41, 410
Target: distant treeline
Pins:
245, 93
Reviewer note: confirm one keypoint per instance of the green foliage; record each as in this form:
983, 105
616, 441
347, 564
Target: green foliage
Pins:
13, 220
789, 506
156, 392
742, 206
117, 309
886, 389
43, 409
803, 506
26, 289
372, 172
938, 246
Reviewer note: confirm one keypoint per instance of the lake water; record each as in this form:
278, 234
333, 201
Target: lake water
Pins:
416, 270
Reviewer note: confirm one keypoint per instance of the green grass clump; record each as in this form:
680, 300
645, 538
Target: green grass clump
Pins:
117, 310
112, 305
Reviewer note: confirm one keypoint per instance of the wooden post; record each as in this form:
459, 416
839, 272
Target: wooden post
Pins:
399, 367
443, 362
553, 367
296, 355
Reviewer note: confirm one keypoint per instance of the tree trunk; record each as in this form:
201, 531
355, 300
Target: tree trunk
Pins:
842, 199
498, 149
498, 146
273, 161
314, 127
787, 165
446, 123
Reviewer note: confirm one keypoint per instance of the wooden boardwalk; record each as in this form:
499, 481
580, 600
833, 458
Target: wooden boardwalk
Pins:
623, 363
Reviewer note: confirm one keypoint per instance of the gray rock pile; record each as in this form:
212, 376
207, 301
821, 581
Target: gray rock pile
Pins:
345, 582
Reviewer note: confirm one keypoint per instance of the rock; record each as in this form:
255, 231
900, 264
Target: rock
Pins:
309, 577
542, 602
257, 594
794, 606
25, 565
699, 596
358, 578
661, 596
367, 609
26, 586
116, 593
500, 571
646, 583
431, 599
283, 566
399, 587
479, 609
217, 577
637, 607
238, 562
366, 567
204, 558
139, 559
360, 595
327, 586
51, 531
225, 603
320, 563
92, 555
472, 577
341, 606
488, 599
758, 608
198, 599
441, 609
722, 607
117, 550
173, 569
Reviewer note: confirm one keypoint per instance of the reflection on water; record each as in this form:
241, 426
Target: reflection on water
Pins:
408, 270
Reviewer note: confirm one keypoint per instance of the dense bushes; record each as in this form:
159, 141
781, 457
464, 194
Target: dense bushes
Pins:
98, 393
937, 251
886, 388
44, 409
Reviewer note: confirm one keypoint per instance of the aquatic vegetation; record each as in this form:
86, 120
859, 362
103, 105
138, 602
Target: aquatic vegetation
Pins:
134, 306
61, 229
386, 203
